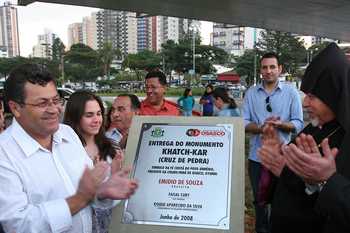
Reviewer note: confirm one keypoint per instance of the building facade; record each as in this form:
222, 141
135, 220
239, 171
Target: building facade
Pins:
75, 34
9, 36
234, 39
43, 48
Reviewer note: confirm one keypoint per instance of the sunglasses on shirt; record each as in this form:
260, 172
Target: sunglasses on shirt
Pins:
268, 104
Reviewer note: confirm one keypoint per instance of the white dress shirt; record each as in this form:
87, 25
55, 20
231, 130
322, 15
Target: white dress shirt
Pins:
34, 182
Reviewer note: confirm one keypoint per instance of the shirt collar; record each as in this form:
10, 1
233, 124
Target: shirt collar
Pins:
278, 86
28, 144
114, 131
148, 104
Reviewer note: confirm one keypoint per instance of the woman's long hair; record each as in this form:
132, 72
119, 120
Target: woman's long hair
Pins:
206, 93
187, 92
223, 94
75, 109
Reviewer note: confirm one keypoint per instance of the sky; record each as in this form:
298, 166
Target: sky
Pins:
36, 17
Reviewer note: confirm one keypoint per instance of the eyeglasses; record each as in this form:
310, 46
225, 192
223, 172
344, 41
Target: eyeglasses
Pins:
47, 103
268, 104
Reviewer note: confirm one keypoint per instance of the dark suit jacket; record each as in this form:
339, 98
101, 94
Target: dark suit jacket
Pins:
292, 209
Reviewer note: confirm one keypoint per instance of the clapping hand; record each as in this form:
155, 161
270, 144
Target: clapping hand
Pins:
270, 152
306, 161
118, 186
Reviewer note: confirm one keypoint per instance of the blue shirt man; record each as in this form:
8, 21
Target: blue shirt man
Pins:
270, 102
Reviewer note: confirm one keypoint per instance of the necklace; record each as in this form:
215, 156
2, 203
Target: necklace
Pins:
329, 135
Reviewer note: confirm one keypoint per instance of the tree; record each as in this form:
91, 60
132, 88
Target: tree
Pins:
289, 49
82, 63
107, 54
179, 57
58, 49
316, 49
244, 65
144, 60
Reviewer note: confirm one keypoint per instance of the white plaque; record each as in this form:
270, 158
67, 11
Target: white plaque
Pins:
184, 172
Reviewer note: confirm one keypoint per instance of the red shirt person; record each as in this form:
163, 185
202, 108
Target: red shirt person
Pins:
155, 104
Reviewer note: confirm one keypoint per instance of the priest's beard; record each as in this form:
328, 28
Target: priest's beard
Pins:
315, 122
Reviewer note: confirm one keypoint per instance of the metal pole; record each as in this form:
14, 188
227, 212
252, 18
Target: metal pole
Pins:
62, 67
255, 67
194, 52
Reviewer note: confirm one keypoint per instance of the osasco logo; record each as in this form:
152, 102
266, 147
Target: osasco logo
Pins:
206, 133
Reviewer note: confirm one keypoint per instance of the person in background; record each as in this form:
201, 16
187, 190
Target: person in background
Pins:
269, 102
226, 105
207, 101
123, 109
84, 113
155, 104
47, 181
186, 102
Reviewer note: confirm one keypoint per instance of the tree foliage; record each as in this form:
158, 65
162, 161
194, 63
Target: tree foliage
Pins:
289, 49
244, 65
144, 60
107, 54
82, 63
179, 56
58, 49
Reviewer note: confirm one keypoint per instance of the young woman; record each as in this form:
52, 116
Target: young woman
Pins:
226, 105
186, 102
207, 101
84, 113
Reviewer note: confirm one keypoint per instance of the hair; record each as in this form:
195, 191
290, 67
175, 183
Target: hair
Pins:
187, 92
135, 102
135, 105
223, 94
157, 74
271, 55
33, 73
75, 109
211, 87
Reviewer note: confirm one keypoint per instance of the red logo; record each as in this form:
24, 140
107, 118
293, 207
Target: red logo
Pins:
214, 133
193, 132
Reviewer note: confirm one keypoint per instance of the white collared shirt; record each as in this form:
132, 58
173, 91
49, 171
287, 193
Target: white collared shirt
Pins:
34, 182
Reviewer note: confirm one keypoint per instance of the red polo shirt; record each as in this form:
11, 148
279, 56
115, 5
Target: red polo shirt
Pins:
168, 109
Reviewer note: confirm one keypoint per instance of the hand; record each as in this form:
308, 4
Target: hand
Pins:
272, 158
117, 162
91, 180
270, 136
307, 161
118, 186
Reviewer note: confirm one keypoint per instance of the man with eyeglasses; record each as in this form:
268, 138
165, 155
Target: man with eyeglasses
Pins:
274, 103
155, 104
47, 183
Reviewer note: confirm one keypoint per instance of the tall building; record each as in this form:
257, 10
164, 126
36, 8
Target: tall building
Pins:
89, 30
234, 39
118, 28
75, 34
9, 38
153, 31
43, 48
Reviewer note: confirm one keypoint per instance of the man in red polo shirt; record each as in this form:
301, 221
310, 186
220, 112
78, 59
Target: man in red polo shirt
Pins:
155, 104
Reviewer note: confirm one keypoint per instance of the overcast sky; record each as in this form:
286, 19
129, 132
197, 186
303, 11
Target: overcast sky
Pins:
34, 18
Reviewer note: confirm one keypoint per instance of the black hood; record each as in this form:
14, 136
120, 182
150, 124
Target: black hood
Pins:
327, 77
